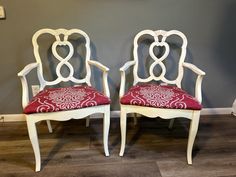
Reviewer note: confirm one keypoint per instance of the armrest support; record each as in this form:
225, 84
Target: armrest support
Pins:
122, 70
198, 84
105, 75
25, 90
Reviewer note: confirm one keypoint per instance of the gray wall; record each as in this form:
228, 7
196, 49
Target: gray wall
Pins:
111, 24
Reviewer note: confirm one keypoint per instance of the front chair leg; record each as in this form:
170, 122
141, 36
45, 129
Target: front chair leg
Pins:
34, 141
123, 122
192, 134
106, 126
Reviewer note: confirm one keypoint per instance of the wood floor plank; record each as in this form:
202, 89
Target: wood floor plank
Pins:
99, 170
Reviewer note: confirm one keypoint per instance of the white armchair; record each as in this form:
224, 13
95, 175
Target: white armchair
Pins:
61, 104
166, 99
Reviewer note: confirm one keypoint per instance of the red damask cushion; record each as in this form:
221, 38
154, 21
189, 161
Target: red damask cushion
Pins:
68, 98
160, 96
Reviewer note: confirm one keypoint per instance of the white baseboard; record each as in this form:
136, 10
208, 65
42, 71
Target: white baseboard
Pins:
116, 114
216, 111
12, 117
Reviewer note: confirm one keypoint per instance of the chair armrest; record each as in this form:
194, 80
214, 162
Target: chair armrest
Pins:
194, 68
99, 65
25, 90
122, 70
105, 75
127, 65
27, 69
198, 84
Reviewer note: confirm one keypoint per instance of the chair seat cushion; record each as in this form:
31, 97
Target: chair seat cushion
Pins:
67, 98
160, 96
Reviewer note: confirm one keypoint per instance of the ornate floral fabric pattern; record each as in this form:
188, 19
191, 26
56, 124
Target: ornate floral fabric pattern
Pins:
160, 96
61, 99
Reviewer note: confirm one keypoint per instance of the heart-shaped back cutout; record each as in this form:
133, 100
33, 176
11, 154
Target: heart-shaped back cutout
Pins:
158, 59
63, 60
61, 44
163, 47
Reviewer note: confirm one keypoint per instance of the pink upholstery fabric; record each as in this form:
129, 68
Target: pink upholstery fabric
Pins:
160, 96
61, 99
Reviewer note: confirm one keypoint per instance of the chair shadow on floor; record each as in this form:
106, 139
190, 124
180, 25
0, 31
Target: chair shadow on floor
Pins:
156, 136
68, 131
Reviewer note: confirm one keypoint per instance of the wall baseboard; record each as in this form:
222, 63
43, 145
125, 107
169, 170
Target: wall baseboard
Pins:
12, 117
116, 114
216, 111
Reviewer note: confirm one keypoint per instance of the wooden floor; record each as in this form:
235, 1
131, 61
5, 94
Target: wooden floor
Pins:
152, 150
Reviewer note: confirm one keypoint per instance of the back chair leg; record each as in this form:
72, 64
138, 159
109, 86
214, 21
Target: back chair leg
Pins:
135, 119
171, 123
192, 134
49, 126
87, 121
123, 122
34, 141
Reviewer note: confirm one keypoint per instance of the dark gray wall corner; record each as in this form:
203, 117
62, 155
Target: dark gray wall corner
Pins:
210, 27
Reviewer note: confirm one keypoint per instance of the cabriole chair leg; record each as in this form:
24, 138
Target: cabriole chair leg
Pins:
192, 134
34, 141
123, 122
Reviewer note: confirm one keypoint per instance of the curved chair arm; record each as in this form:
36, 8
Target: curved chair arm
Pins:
198, 85
105, 75
27, 69
25, 90
194, 68
122, 70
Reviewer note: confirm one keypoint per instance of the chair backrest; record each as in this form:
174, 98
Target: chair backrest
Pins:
159, 40
61, 39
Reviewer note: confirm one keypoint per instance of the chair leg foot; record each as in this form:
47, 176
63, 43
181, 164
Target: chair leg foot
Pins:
106, 127
123, 121
35, 143
192, 135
